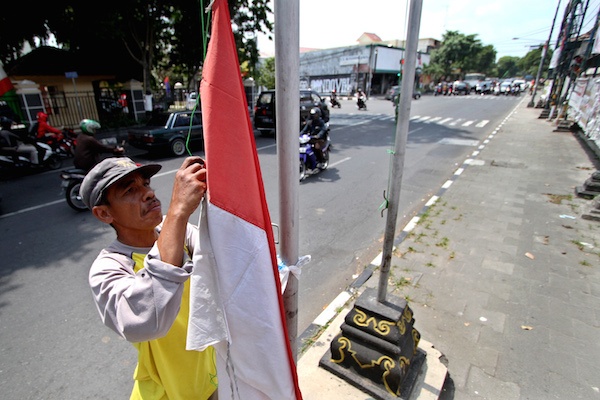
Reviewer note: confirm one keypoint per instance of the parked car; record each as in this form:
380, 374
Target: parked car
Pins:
168, 132
264, 110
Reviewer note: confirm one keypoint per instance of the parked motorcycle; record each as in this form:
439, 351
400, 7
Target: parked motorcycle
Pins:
306, 152
70, 184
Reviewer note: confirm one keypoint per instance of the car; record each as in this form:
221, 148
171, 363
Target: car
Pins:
459, 87
168, 132
395, 92
502, 88
521, 83
483, 87
264, 109
392, 92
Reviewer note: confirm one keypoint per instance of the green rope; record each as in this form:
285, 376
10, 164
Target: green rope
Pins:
205, 28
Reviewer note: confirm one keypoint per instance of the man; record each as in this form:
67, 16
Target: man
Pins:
11, 143
89, 149
316, 128
140, 282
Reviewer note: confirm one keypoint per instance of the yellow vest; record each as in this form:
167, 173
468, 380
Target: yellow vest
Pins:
166, 370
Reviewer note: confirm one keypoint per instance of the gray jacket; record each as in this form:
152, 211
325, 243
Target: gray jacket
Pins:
140, 305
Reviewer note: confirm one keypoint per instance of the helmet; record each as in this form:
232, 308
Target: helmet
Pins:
42, 116
332, 90
89, 126
315, 112
6, 122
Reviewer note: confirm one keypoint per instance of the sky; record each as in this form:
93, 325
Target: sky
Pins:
511, 26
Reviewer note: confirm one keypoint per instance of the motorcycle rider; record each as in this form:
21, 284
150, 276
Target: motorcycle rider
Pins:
360, 99
316, 128
89, 149
44, 129
12, 143
334, 99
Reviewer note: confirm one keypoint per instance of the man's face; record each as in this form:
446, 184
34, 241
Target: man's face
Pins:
132, 204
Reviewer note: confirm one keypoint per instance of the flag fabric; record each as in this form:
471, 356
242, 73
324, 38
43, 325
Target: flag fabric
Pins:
236, 302
5, 83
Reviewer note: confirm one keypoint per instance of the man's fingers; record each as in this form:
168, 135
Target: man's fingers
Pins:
192, 160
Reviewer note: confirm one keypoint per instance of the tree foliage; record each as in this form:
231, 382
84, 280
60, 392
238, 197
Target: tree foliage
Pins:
266, 74
460, 54
530, 63
161, 36
508, 66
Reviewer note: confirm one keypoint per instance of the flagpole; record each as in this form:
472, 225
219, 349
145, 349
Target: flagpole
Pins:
287, 88
406, 91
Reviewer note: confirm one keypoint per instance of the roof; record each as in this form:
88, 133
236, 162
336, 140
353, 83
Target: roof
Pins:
368, 38
48, 60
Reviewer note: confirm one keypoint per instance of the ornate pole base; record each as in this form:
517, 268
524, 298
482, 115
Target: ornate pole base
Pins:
377, 348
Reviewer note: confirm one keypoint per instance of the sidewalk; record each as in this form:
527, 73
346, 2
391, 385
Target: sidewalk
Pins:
502, 274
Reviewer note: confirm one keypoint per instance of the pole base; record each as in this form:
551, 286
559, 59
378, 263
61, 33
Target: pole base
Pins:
377, 348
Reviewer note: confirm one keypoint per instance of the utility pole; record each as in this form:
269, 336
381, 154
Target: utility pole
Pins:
543, 58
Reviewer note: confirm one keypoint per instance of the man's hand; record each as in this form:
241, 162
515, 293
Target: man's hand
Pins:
188, 190
189, 186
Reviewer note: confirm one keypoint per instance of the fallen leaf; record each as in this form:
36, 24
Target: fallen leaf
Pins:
526, 327
529, 255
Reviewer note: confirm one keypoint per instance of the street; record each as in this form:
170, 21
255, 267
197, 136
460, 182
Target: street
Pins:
53, 344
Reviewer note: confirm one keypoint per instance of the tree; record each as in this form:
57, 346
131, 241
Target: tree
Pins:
459, 54
508, 66
157, 34
266, 74
485, 61
530, 63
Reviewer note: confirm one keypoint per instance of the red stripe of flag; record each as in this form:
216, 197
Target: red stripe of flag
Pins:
235, 185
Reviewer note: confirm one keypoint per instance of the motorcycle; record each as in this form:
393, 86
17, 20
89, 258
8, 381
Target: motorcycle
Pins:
71, 180
48, 159
62, 143
361, 103
70, 184
335, 102
306, 152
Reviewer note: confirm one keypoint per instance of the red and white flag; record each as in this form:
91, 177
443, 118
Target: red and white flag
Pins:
236, 302
5, 83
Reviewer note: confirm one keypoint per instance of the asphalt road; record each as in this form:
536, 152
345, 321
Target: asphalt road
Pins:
52, 342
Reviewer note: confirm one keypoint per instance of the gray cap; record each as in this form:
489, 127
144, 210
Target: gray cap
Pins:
109, 171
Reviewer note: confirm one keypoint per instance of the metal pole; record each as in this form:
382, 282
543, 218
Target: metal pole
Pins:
287, 106
408, 77
544, 52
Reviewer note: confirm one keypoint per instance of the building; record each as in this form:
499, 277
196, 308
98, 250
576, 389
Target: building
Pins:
373, 65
